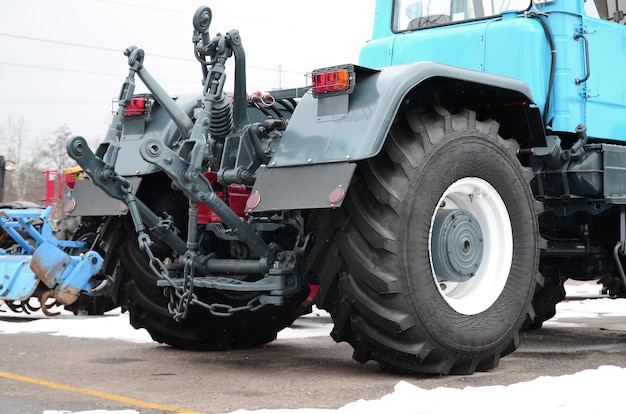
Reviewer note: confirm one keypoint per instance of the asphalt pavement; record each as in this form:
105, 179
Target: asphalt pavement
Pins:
41, 372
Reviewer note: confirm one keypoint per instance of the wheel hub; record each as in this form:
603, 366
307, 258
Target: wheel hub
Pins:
457, 245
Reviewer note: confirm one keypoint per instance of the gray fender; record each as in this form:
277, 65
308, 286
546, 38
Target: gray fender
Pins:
89, 200
161, 126
357, 129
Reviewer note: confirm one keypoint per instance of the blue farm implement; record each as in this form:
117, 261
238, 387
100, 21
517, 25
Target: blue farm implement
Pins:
34, 264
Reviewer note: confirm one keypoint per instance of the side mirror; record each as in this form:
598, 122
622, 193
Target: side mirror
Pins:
10, 165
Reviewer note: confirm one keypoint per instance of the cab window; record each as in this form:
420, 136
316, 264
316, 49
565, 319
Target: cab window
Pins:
611, 10
419, 14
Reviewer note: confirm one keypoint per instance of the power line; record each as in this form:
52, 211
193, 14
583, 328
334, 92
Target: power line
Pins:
108, 49
255, 21
88, 72
51, 103
24, 65
119, 3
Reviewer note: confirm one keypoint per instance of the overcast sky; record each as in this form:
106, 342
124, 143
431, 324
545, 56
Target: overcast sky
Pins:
62, 61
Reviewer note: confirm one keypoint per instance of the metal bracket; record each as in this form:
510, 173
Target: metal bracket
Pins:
620, 247
282, 280
243, 154
276, 285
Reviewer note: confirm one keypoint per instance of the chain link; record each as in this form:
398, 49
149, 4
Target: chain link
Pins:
221, 309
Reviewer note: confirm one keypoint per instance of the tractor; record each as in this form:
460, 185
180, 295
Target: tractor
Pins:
433, 197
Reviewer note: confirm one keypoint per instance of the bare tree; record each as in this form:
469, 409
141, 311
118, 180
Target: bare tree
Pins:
13, 138
28, 181
20, 184
53, 153
53, 160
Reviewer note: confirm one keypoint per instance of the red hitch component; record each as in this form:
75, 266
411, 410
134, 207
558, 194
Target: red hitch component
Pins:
236, 200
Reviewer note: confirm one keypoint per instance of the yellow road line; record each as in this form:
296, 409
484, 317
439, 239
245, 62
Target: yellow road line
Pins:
93, 393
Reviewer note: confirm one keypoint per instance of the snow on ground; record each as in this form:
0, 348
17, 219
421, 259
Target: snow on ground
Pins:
563, 394
115, 325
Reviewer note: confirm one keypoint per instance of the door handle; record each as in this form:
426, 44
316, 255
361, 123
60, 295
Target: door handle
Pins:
587, 67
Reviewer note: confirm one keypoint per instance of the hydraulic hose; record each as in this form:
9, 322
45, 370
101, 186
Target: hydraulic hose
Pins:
550, 38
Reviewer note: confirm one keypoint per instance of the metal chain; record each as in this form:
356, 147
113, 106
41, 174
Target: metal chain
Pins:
181, 297
187, 296
221, 309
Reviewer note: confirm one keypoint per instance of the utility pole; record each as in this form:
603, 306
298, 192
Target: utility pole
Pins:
279, 77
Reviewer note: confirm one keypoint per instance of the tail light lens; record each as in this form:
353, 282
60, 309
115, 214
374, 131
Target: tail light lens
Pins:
336, 80
136, 107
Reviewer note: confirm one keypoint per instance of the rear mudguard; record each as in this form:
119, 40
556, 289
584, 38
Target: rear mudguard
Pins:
331, 133
357, 131
338, 130
90, 200
160, 126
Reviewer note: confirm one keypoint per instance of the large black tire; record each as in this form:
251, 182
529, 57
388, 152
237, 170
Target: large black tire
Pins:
85, 304
547, 296
396, 305
201, 330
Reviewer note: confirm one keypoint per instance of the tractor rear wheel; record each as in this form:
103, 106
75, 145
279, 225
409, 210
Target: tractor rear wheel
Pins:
201, 330
441, 250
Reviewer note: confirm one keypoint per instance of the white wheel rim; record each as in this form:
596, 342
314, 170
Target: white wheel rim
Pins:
479, 198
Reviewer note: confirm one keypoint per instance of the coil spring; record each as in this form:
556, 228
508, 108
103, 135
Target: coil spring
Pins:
221, 119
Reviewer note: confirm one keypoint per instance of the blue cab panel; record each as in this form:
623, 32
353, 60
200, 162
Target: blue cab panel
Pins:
590, 56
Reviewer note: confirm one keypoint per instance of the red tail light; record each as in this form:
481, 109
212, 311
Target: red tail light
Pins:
136, 107
333, 81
